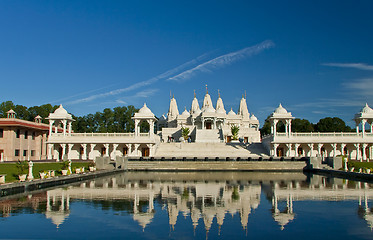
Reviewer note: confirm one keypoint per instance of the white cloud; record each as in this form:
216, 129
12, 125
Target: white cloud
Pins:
363, 87
139, 84
361, 66
223, 60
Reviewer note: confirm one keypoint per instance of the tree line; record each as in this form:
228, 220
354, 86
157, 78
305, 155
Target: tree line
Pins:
119, 119
328, 124
109, 120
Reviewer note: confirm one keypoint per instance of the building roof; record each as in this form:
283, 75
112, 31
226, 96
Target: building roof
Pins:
14, 122
144, 112
281, 113
59, 114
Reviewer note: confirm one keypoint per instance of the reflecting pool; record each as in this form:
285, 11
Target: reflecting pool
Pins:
194, 205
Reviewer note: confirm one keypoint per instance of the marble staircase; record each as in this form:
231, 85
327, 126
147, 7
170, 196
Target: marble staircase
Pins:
210, 150
208, 136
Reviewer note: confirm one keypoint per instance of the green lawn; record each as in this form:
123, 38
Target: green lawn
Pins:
357, 165
11, 171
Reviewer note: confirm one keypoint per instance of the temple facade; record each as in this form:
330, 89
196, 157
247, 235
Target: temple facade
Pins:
209, 123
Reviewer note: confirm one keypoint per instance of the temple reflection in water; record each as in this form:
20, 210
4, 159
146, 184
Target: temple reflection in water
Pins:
202, 197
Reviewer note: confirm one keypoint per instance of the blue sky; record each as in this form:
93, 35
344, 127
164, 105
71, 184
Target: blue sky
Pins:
314, 57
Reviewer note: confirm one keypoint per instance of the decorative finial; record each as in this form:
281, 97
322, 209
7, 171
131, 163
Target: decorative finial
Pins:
219, 93
194, 93
207, 91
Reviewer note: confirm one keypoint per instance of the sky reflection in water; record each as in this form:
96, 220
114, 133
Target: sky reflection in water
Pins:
230, 205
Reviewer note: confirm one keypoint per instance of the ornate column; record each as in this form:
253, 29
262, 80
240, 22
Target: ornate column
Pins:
289, 127
274, 126
357, 146
363, 127
274, 153
51, 122
334, 145
136, 127
64, 127
69, 128
63, 150
343, 145
310, 145
296, 146
106, 146
84, 146
364, 151
319, 146
92, 146
113, 153
136, 151
70, 145
288, 151
50, 147
129, 146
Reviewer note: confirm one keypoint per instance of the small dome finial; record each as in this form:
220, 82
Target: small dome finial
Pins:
219, 93
194, 93
207, 91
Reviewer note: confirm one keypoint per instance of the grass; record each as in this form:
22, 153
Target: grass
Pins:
357, 165
11, 171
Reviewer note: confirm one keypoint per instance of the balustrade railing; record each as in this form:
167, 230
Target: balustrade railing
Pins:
327, 134
101, 135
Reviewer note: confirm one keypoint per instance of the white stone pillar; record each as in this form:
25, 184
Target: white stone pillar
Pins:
334, 145
70, 129
106, 146
343, 145
136, 150
50, 148
129, 146
84, 146
136, 127
357, 146
286, 128
357, 129
363, 127
311, 149
64, 127
296, 146
289, 127
364, 151
90, 155
70, 146
150, 146
274, 153
63, 150
113, 153
319, 146
288, 151
275, 121
51, 122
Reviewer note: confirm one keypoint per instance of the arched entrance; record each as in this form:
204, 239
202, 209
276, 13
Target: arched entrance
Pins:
145, 152
280, 152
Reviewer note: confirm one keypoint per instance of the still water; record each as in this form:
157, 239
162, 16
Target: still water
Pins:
198, 205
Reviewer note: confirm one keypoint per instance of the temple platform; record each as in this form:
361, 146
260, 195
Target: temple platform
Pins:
210, 150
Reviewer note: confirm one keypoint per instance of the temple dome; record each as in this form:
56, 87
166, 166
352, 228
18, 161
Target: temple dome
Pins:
185, 113
144, 112
366, 109
60, 113
280, 109
231, 113
253, 117
195, 106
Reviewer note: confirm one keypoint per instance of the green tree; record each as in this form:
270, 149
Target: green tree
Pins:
235, 129
301, 125
5, 107
334, 124
185, 132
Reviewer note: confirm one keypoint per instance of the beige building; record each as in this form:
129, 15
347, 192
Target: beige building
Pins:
22, 140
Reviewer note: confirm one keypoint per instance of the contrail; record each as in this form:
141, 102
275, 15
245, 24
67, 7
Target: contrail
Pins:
223, 60
140, 84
